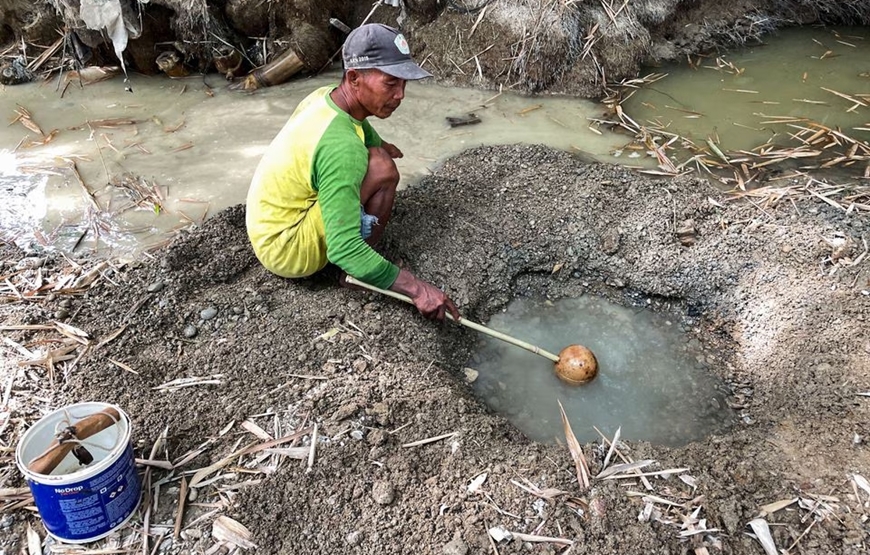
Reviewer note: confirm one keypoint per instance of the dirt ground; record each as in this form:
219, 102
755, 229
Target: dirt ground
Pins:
762, 285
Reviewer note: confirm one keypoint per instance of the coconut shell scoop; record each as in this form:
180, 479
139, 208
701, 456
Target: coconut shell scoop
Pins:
574, 365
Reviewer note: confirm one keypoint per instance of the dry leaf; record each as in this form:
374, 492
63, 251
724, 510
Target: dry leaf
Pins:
613, 445
476, 483
26, 121
771, 508
625, 467
72, 332
232, 531
861, 482
762, 534
327, 334
256, 430
499, 533
34, 542
576, 451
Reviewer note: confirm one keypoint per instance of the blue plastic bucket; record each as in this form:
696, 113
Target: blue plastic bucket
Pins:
81, 504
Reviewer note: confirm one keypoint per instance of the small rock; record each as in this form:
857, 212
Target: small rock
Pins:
66, 303
376, 437
470, 374
156, 287
381, 413
456, 547
609, 243
208, 313
192, 494
238, 310
345, 411
383, 492
357, 435
353, 538
190, 331
30, 263
6, 522
62, 313
687, 233
194, 533
360, 365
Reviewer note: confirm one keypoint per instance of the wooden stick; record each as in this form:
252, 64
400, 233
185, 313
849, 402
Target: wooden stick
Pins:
467, 323
83, 429
179, 516
429, 440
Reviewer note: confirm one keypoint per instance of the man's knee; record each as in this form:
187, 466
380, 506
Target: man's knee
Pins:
382, 168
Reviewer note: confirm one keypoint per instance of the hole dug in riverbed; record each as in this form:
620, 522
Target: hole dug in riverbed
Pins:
656, 377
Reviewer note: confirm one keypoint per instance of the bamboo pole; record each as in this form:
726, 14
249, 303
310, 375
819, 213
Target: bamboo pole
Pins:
467, 323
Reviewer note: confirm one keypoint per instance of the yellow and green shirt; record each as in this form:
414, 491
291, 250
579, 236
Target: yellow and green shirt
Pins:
303, 207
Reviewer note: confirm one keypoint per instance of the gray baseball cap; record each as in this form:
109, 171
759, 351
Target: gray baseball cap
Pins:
376, 46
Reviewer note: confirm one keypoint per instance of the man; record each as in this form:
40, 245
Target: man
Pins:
324, 190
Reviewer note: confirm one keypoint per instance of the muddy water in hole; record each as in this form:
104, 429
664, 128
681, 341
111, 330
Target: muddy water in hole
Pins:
654, 380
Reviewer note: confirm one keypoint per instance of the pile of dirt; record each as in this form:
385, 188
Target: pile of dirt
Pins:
759, 284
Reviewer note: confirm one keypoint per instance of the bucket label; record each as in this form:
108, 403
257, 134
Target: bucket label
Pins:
93, 506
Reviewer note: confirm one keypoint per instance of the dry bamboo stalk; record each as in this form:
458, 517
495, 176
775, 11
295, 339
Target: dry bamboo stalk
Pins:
429, 440
312, 451
179, 515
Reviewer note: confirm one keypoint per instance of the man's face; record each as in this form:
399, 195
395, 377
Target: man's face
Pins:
379, 93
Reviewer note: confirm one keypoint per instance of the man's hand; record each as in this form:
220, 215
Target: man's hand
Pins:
391, 149
432, 302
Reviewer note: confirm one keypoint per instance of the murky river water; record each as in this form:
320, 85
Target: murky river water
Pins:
654, 380
175, 151
199, 146
807, 74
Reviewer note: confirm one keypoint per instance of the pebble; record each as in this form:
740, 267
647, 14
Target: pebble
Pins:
357, 435
62, 313
192, 494
360, 365
29, 263
470, 374
194, 533
156, 287
353, 538
456, 547
208, 313
190, 331
7, 521
66, 303
383, 492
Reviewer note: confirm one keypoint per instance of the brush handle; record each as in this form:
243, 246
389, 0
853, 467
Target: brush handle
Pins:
467, 323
